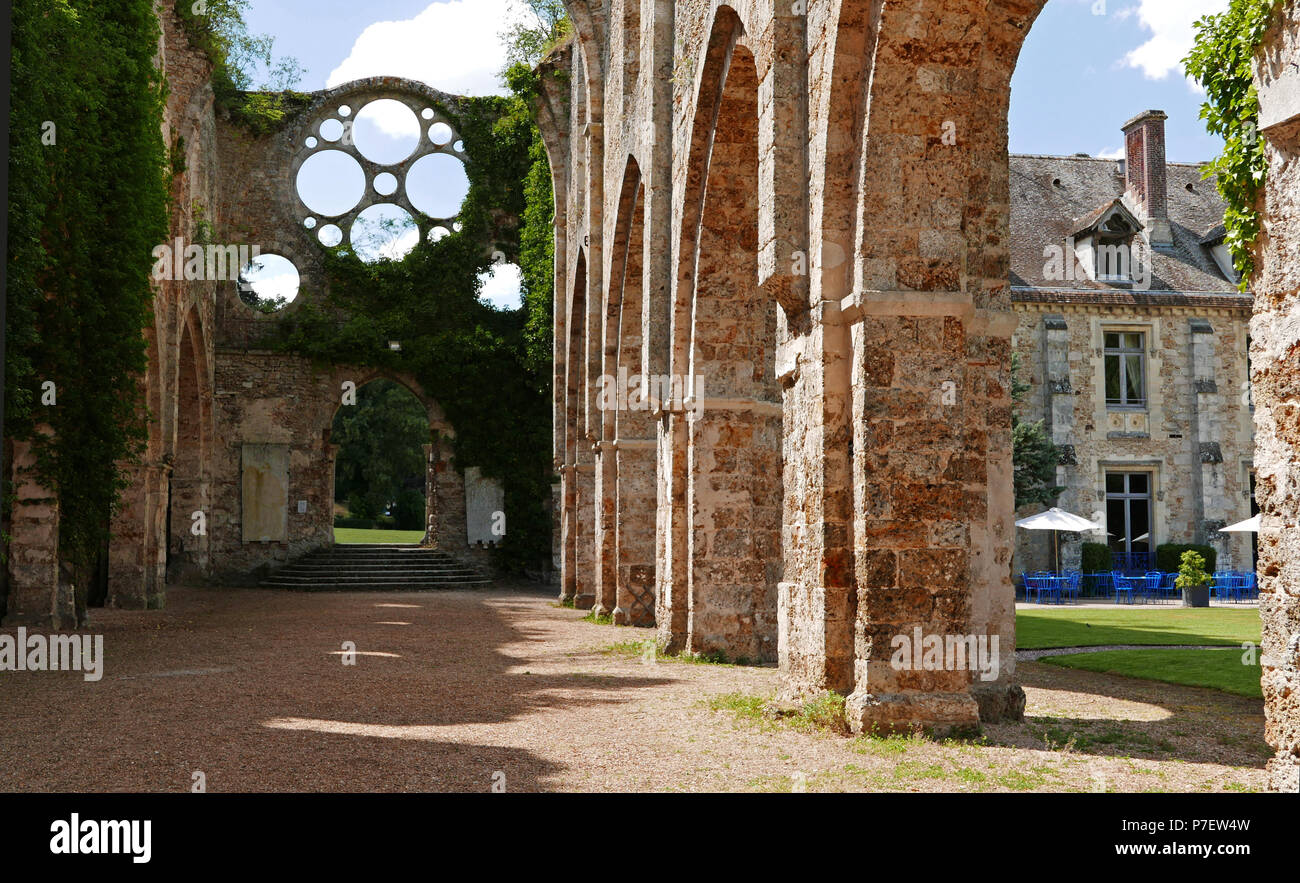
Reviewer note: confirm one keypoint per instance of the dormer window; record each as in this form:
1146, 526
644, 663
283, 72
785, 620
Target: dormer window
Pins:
1106, 244
1218, 247
1115, 251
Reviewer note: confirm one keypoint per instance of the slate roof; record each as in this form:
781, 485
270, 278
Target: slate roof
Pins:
1045, 212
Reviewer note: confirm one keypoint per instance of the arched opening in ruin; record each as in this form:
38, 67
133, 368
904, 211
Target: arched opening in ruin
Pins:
628, 424
189, 492
380, 439
725, 386
579, 479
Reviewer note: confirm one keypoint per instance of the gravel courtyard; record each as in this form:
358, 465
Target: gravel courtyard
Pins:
455, 691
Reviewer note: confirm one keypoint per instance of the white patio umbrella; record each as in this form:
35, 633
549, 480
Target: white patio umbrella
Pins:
1250, 525
1057, 520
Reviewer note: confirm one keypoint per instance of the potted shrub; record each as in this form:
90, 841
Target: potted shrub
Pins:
1193, 580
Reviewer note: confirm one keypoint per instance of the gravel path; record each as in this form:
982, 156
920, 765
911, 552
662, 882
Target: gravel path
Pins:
452, 691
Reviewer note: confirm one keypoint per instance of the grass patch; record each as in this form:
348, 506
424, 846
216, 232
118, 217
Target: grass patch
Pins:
1092, 736
1216, 669
649, 651
349, 535
824, 712
1089, 627
598, 618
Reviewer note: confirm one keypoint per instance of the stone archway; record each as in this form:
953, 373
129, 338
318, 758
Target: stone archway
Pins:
725, 387
189, 492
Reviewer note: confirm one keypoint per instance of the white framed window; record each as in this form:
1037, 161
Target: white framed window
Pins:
1125, 358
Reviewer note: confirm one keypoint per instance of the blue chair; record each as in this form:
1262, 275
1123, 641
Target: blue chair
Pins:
1123, 586
1073, 580
1222, 585
1169, 587
1044, 585
1250, 586
1151, 585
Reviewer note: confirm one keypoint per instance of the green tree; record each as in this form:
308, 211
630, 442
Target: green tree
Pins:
1221, 61
533, 30
1033, 454
88, 200
381, 449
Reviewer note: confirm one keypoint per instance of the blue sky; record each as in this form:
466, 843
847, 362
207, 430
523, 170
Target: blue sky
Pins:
1087, 67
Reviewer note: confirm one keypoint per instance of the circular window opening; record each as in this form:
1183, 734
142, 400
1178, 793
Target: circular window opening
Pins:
437, 185
385, 183
427, 113
330, 235
386, 131
440, 134
345, 111
384, 232
330, 182
269, 282
311, 142
309, 223
331, 130
459, 147
502, 286
438, 233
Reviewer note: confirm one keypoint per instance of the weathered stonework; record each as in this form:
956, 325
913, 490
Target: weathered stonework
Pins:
212, 393
810, 285
1275, 364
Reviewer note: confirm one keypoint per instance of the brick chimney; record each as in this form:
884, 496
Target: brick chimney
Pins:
1145, 173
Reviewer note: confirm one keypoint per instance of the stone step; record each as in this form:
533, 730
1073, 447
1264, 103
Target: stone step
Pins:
377, 567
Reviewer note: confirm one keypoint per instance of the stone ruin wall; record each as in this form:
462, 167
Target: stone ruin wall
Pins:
902, 288
211, 390
1275, 364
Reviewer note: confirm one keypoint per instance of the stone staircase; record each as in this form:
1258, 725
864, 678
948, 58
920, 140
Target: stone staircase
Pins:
375, 568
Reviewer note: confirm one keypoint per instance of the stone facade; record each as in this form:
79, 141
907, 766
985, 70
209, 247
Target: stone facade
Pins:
1275, 369
1192, 433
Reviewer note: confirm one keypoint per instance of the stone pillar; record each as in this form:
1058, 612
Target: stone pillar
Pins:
634, 532
932, 484
734, 509
604, 545
583, 515
1207, 428
33, 549
1275, 380
137, 550
1060, 421
671, 583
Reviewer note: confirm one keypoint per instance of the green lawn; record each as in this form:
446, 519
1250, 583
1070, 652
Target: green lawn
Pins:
356, 535
1089, 627
1217, 669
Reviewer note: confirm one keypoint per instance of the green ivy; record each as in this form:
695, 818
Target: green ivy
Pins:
489, 369
85, 213
217, 28
1222, 62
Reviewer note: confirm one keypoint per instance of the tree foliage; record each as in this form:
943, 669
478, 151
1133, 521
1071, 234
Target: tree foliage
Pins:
536, 27
1222, 60
88, 175
249, 82
1033, 454
381, 450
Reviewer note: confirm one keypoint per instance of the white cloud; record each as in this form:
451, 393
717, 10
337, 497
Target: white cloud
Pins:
1170, 23
1114, 153
452, 46
502, 286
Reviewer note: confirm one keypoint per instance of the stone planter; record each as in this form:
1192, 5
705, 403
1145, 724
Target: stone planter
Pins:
1197, 597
